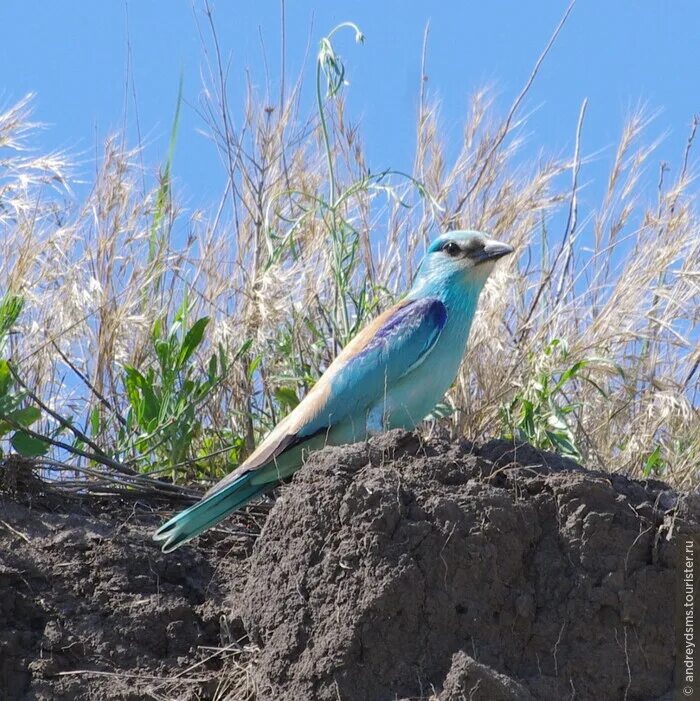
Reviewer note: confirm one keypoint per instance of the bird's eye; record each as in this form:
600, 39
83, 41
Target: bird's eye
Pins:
452, 249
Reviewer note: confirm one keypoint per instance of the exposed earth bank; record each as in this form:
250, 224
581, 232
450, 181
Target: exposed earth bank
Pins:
395, 569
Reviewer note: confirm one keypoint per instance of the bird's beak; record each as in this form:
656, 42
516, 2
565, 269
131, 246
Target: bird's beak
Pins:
493, 250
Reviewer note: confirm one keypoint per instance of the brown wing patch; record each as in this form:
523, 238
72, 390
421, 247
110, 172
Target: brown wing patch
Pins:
284, 435
359, 342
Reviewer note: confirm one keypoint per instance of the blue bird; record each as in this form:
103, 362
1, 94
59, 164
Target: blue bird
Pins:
391, 375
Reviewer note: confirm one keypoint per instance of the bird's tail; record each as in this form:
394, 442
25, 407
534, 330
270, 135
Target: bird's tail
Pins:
204, 514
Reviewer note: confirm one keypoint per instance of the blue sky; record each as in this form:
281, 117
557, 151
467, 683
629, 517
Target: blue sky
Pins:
619, 54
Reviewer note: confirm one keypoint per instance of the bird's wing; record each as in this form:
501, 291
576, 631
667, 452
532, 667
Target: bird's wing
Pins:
395, 343
392, 345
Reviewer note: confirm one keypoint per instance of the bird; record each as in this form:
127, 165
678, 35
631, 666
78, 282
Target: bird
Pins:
391, 375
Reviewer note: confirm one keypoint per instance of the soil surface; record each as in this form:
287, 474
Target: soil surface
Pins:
90, 608
395, 569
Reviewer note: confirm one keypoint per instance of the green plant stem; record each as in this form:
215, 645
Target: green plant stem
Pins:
101, 398
60, 419
101, 458
326, 136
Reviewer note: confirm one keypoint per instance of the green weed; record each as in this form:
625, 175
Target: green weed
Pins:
541, 412
164, 400
16, 416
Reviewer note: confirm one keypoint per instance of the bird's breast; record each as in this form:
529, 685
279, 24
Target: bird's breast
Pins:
411, 399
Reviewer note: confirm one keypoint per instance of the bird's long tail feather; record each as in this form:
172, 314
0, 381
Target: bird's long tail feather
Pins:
204, 514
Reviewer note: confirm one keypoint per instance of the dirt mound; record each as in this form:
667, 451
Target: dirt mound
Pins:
91, 609
401, 569
394, 569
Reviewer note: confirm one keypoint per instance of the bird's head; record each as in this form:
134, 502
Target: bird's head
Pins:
460, 258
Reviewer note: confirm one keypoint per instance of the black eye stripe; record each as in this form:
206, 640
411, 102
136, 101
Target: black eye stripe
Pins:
453, 249
473, 247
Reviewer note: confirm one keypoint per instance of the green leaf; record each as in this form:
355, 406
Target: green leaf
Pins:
188, 388
223, 360
286, 397
5, 377
255, 363
27, 445
653, 463
192, 340
157, 331
527, 422
141, 395
245, 347
95, 421
11, 416
211, 370
26, 416
557, 422
563, 445
571, 372
10, 309
162, 349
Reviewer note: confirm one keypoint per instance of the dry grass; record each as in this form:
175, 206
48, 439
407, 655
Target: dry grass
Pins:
295, 262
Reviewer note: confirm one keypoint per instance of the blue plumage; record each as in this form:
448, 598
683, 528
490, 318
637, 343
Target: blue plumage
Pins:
392, 374
426, 315
401, 342
206, 513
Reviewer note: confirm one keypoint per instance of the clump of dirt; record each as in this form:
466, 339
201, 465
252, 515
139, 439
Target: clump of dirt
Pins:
392, 569
400, 569
91, 609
